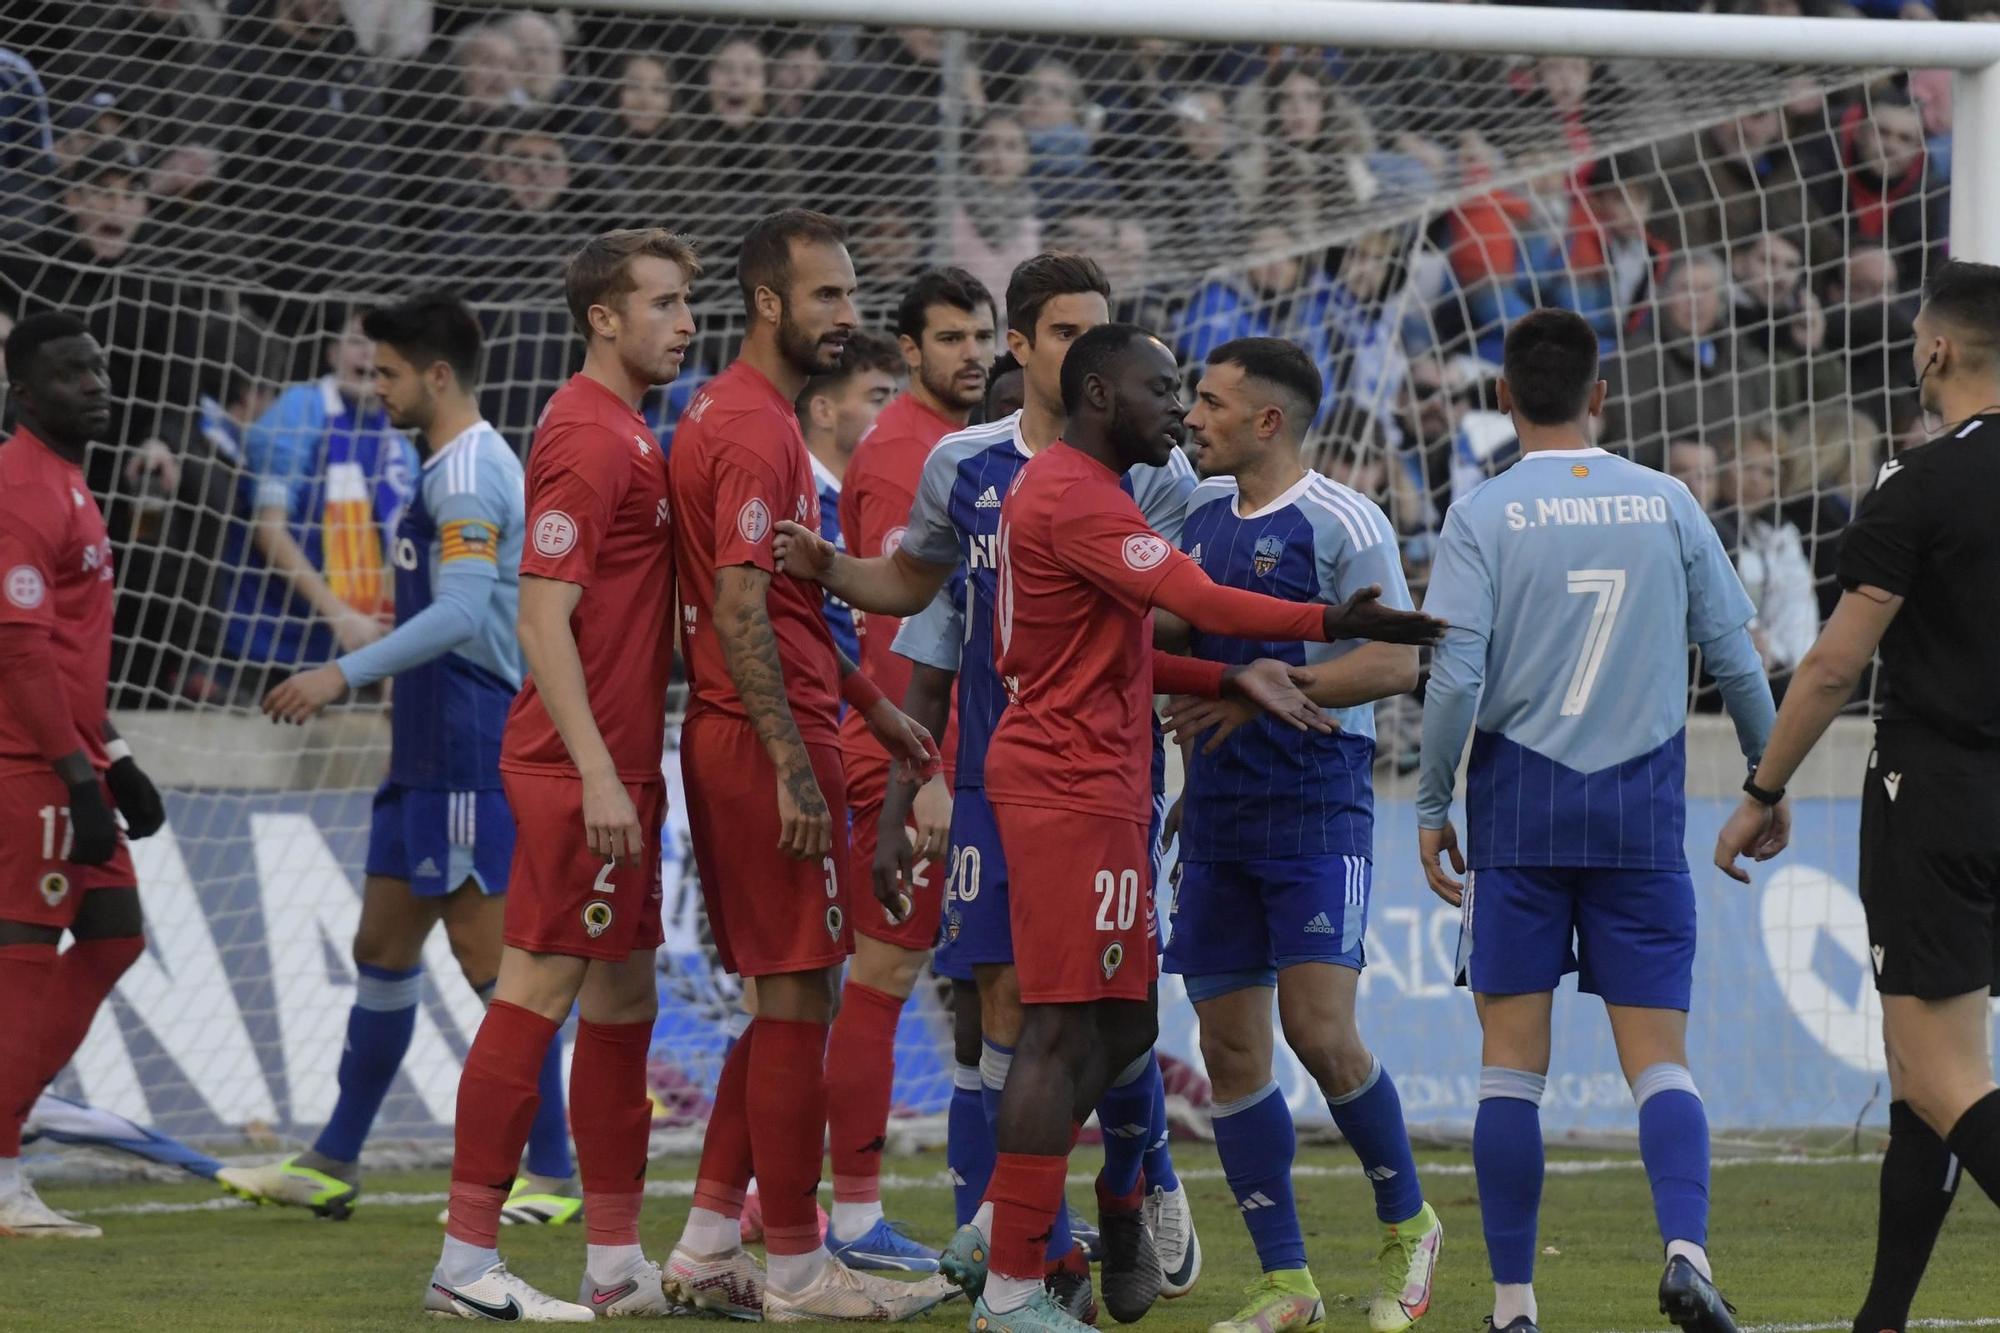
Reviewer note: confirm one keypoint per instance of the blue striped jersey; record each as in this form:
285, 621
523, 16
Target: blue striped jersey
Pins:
1268, 790
1574, 583
839, 615
466, 521
955, 520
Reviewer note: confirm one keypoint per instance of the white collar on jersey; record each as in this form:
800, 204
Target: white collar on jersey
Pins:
823, 473
1592, 452
438, 453
1290, 495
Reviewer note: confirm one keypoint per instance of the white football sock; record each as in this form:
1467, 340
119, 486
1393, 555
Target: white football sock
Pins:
709, 1232
608, 1264
793, 1273
1511, 1300
852, 1220
982, 1220
463, 1262
1693, 1253
1004, 1294
10, 1175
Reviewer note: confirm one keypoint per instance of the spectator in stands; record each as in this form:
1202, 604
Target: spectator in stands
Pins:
890, 245
544, 70
1872, 325
1831, 461
1771, 557
1283, 292
1740, 179
740, 150
444, 119
1684, 375
641, 171
1123, 247
1564, 94
27, 134
150, 56
1369, 363
1315, 146
504, 240
872, 130
330, 478
1782, 323
796, 76
1695, 463
1051, 111
304, 126
1139, 101
994, 225
1196, 198
1882, 187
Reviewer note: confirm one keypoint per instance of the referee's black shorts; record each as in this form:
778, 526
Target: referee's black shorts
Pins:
1930, 864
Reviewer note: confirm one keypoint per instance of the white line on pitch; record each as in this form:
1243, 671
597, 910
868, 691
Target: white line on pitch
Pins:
681, 1189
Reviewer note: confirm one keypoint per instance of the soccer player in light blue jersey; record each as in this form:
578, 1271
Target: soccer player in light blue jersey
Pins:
442, 839
1278, 836
1573, 584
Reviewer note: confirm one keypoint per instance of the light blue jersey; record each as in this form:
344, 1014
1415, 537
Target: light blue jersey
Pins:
1573, 583
1270, 791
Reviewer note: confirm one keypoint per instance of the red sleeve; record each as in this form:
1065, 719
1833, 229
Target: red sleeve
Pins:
1174, 674
881, 512
575, 484
28, 672
30, 546
1101, 537
749, 493
1215, 609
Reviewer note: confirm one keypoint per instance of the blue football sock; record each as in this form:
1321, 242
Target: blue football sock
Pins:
1125, 1115
1507, 1160
378, 1036
1673, 1141
548, 1136
968, 1143
1255, 1141
1159, 1160
1370, 1118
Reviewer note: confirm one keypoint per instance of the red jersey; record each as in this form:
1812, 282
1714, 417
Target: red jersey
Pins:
1078, 567
739, 465
875, 499
55, 572
598, 518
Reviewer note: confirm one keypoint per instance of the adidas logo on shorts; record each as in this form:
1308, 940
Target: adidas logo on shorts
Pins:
988, 499
427, 869
1320, 925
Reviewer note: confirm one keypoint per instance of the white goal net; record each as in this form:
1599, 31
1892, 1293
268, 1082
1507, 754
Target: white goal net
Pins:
218, 188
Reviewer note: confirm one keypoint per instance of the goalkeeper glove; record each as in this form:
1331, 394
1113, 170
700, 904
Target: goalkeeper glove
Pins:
138, 799
93, 831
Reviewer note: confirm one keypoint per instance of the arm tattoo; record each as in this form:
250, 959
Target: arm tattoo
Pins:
750, 649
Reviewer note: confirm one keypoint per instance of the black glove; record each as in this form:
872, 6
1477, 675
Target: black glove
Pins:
93, 830
138, 799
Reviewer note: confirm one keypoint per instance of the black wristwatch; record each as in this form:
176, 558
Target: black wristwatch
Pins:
1759, 794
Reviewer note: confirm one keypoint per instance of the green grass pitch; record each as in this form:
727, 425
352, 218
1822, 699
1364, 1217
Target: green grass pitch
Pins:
1792, 1245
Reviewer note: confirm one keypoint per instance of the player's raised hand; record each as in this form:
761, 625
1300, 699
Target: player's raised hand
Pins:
1434, 846
299, 699
1755, 830
907, 740
611, 821
805, 828
1363, 616
931, 811
801, 552
895, 863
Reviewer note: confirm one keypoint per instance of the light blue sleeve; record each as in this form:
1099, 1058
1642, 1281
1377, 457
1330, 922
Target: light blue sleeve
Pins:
450, 621
1717, 602
1746, 692
1346, 566
1162, 495
276, 444
1461, 593
929, 535
935, 636
486, 502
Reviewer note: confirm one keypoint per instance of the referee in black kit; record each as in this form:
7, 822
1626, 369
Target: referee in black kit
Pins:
1921, 569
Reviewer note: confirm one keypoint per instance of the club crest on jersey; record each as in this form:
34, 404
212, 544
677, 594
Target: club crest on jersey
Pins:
754, 520
1112, 959
1264, 556
54, 887
555, 533
1579, 471
834, 920
596, 918
25, 587
1144, 550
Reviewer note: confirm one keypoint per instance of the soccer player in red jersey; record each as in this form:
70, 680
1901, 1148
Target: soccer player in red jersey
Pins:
764, 680
63, 768
580, 762
946, 327
1067, 770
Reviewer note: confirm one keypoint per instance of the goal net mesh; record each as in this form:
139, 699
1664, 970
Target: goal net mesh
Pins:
219, 189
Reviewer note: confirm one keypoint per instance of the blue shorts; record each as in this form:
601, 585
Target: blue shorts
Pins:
1238, 923
436, 840
1629, 935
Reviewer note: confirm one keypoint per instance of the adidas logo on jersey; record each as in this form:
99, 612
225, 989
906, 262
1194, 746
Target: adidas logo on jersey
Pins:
1195, 554
988, 499
1255, 1201
427, 869
1320, 925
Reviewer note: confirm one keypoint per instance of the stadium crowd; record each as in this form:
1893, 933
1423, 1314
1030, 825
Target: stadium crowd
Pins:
225, 185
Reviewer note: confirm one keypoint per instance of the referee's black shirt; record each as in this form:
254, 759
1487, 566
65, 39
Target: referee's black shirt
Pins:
1930, 533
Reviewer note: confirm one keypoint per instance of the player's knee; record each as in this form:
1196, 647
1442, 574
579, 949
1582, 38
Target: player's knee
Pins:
1126, 1031
376, 946
886, 967
1000, 1008
1331, 1050
1236, 1068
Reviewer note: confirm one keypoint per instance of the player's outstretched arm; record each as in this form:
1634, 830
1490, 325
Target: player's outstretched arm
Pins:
449, 622
928, 703
271, 532
611, 821
891, 585
750, 651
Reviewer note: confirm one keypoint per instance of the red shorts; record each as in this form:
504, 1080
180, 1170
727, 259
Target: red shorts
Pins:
919, 931
1079, 891
38, 887
564, 898
769, 914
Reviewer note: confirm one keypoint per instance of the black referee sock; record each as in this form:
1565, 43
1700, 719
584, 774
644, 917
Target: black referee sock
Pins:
1975, 1139
1919, 1179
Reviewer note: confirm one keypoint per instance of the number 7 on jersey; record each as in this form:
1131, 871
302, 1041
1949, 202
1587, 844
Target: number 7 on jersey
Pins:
1608, 587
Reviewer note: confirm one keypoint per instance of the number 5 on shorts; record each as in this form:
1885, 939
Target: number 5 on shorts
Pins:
1119, 892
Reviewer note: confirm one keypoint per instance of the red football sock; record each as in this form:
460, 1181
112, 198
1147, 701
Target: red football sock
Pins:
860, 1072
611, 1116
1025, 1192
497, 1097
724, 1174
84, 975
27, 975
787, 1104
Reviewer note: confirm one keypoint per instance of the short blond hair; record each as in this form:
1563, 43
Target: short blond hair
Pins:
601, 272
